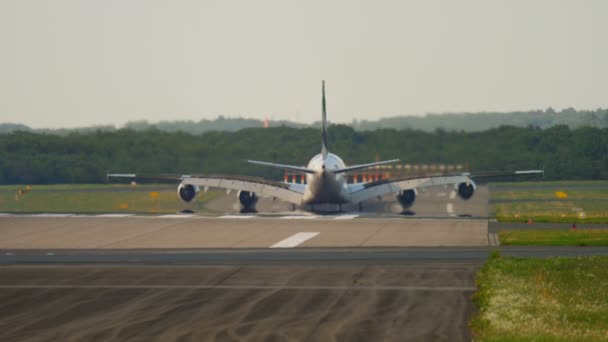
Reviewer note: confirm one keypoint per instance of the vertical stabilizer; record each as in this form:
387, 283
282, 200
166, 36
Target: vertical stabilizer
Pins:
324, 126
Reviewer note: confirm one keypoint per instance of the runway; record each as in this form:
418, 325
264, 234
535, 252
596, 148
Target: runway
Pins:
406, 302
285, 276
230, 231
284, 256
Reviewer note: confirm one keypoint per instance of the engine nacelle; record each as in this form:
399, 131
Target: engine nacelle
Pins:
407, 198
187, 192
465, 190
248, 200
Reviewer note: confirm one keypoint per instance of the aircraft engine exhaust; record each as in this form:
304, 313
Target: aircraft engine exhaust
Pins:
248, 201
465, 191
187, 192
407, 198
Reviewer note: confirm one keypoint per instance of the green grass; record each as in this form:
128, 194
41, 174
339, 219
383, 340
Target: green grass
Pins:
598, 218
531, 299
563, 202
578, 183
550, 194
579, 237
95, 198
79, 186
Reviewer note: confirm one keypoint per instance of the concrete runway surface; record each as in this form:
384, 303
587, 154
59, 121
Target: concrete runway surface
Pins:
363, 276
404, 302
249, 296
94, 232
268, 256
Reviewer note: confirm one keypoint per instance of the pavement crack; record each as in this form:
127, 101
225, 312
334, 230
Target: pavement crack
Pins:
372, 235
226, 277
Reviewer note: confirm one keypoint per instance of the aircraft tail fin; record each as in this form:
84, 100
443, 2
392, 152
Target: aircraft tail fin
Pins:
324, 126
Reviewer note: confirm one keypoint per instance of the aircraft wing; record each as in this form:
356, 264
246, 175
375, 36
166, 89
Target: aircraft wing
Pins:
501, 173
290, 192
374, 189
364, 191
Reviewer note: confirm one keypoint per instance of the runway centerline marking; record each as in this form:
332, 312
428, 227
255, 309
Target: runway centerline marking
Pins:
298, 217
237, 216
450, 209
453, 195
295, 240
176, 216
114, 215
345, 217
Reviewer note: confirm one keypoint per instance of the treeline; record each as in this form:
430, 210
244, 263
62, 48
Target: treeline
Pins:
467, 122
475, 122
33, 158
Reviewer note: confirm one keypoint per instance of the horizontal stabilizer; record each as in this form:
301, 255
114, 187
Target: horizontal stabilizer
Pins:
364, 166
298, 169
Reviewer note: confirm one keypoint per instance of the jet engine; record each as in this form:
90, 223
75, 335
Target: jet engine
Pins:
465, 190
248, 201
187, 192
407, 197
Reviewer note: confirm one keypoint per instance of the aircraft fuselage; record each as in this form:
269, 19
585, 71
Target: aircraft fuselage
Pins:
324, 186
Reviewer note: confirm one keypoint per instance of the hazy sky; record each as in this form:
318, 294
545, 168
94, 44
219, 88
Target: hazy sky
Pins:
73, 63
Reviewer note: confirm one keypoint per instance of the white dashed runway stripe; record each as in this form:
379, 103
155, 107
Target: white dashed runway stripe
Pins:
299, 217
345, 217
176, 216
453, 195
237, 216
295, 240
114, 215
450, 209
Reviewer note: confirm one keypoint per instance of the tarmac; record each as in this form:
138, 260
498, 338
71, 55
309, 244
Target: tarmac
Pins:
405, 302
268, 256
152, 232
364, 276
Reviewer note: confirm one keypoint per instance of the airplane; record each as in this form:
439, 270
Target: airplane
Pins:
326, 187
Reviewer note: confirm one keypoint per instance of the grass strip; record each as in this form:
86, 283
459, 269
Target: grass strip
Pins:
532, 299
554, 237
567, 204
97, 199
552, 219
566, 183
